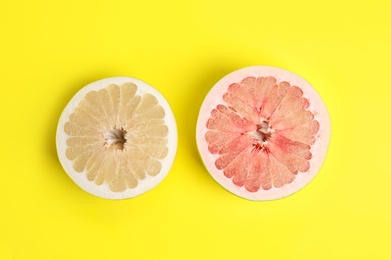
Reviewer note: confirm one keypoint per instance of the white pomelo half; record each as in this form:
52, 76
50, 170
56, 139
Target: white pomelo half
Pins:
117, 138
263, 132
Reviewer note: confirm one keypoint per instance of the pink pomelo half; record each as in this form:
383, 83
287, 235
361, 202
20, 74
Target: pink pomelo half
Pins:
263, 132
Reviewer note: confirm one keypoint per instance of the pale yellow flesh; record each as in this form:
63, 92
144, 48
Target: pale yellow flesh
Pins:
117, 137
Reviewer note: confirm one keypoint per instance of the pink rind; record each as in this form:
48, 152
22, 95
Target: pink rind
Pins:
318, 150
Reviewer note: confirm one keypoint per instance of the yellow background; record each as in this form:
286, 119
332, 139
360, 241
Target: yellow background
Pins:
50, 49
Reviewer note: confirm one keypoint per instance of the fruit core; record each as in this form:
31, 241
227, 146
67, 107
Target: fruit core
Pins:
115, 138
262, 135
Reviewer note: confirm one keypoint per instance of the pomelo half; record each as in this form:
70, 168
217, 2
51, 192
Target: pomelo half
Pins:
263, 132
117, 138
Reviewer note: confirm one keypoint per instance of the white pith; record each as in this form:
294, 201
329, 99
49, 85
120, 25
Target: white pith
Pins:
318, 150
261, 133
114, 136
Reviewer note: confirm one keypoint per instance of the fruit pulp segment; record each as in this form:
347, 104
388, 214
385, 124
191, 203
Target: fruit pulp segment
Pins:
117, 136
262, 134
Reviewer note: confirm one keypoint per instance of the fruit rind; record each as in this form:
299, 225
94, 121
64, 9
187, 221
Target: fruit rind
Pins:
103, 190
318, 150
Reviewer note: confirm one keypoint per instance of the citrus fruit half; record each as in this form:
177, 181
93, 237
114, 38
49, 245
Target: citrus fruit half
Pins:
263, 132
117, 138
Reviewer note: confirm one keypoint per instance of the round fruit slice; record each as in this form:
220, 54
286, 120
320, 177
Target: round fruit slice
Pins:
263, 132
117, 138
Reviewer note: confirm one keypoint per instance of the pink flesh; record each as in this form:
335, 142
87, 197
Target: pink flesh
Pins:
249, 158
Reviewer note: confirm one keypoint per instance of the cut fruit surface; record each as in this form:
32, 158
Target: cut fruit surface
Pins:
117, 138
263, 132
